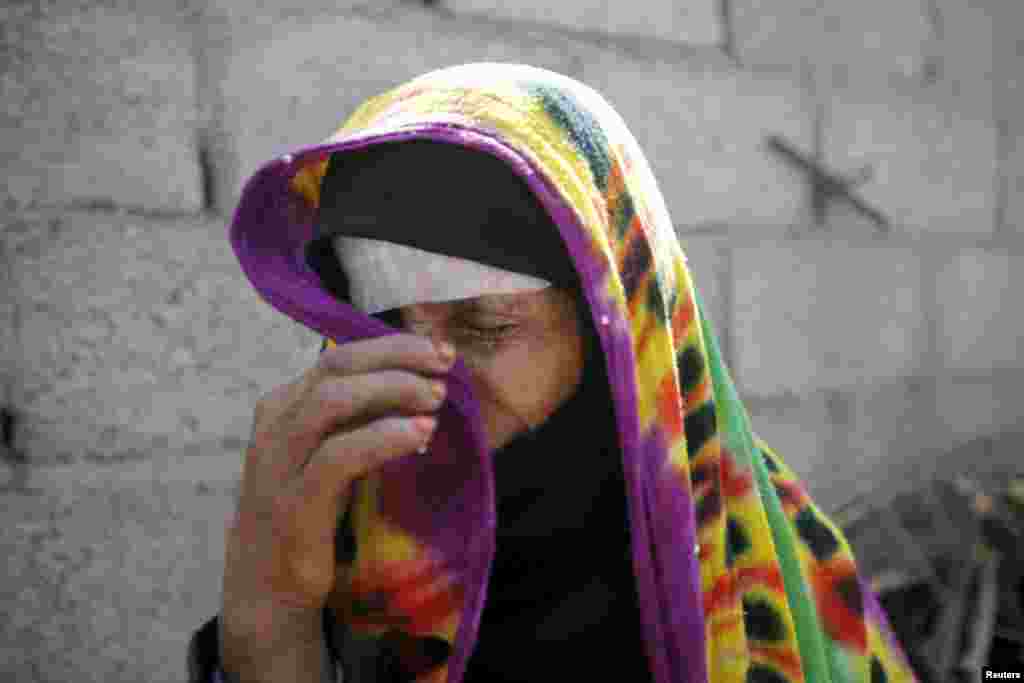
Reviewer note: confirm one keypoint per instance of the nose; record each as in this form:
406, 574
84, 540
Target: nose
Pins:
427, 321
436, 336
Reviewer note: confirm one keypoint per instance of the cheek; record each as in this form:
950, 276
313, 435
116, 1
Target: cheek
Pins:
525, 385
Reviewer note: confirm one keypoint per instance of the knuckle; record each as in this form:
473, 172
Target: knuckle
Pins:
380, 391
261, 441
411, 342
336, 399
337, 359
410, 349
400, 382
423, 346
330, 390
375, 443
261, 406
418, 391
268, 402
278, 394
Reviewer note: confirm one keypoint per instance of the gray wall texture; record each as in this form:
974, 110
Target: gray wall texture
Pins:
134, 349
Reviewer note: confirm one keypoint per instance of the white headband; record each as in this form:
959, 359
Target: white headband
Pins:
384, 275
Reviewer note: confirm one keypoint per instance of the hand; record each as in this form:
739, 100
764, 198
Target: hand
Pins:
361, 405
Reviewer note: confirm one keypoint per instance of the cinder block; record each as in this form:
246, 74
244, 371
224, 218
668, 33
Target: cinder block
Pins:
800, 430
693, 21
111, 569
241, 15
958, 67
100, 106
702, 127
294, 83
991, 460
978, 321
874, 533
1008, 60
809, 315
694, 120
1012, 182
973, 406
886, 440
934, 170
861, 442
892, 436
137, 333
1009, 99
8, 325
843, 42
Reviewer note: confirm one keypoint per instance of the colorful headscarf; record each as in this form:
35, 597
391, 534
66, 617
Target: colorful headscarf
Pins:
740, 576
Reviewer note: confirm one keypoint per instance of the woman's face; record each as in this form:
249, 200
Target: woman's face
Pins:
524, 353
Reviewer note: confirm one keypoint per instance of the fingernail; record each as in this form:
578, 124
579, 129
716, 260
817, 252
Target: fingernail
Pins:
424, 424
446, 352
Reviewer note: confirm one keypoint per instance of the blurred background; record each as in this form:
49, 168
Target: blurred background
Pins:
844, 176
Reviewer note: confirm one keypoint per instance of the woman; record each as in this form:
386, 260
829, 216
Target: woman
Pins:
582, 495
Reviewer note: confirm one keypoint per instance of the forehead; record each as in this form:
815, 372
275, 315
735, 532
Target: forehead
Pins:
520, 302
537, 302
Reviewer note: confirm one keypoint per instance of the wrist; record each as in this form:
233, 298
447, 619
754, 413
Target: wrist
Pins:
270, 622
257, 644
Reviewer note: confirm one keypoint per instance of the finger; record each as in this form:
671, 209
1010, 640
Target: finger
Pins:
411, 352
273, 403
338, 401
349, 455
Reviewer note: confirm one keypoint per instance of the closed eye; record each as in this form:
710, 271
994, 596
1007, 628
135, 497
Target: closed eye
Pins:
491, 331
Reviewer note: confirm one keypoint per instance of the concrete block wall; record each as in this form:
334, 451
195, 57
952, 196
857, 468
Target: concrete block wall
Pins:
695, 22
100, 106
133, 348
